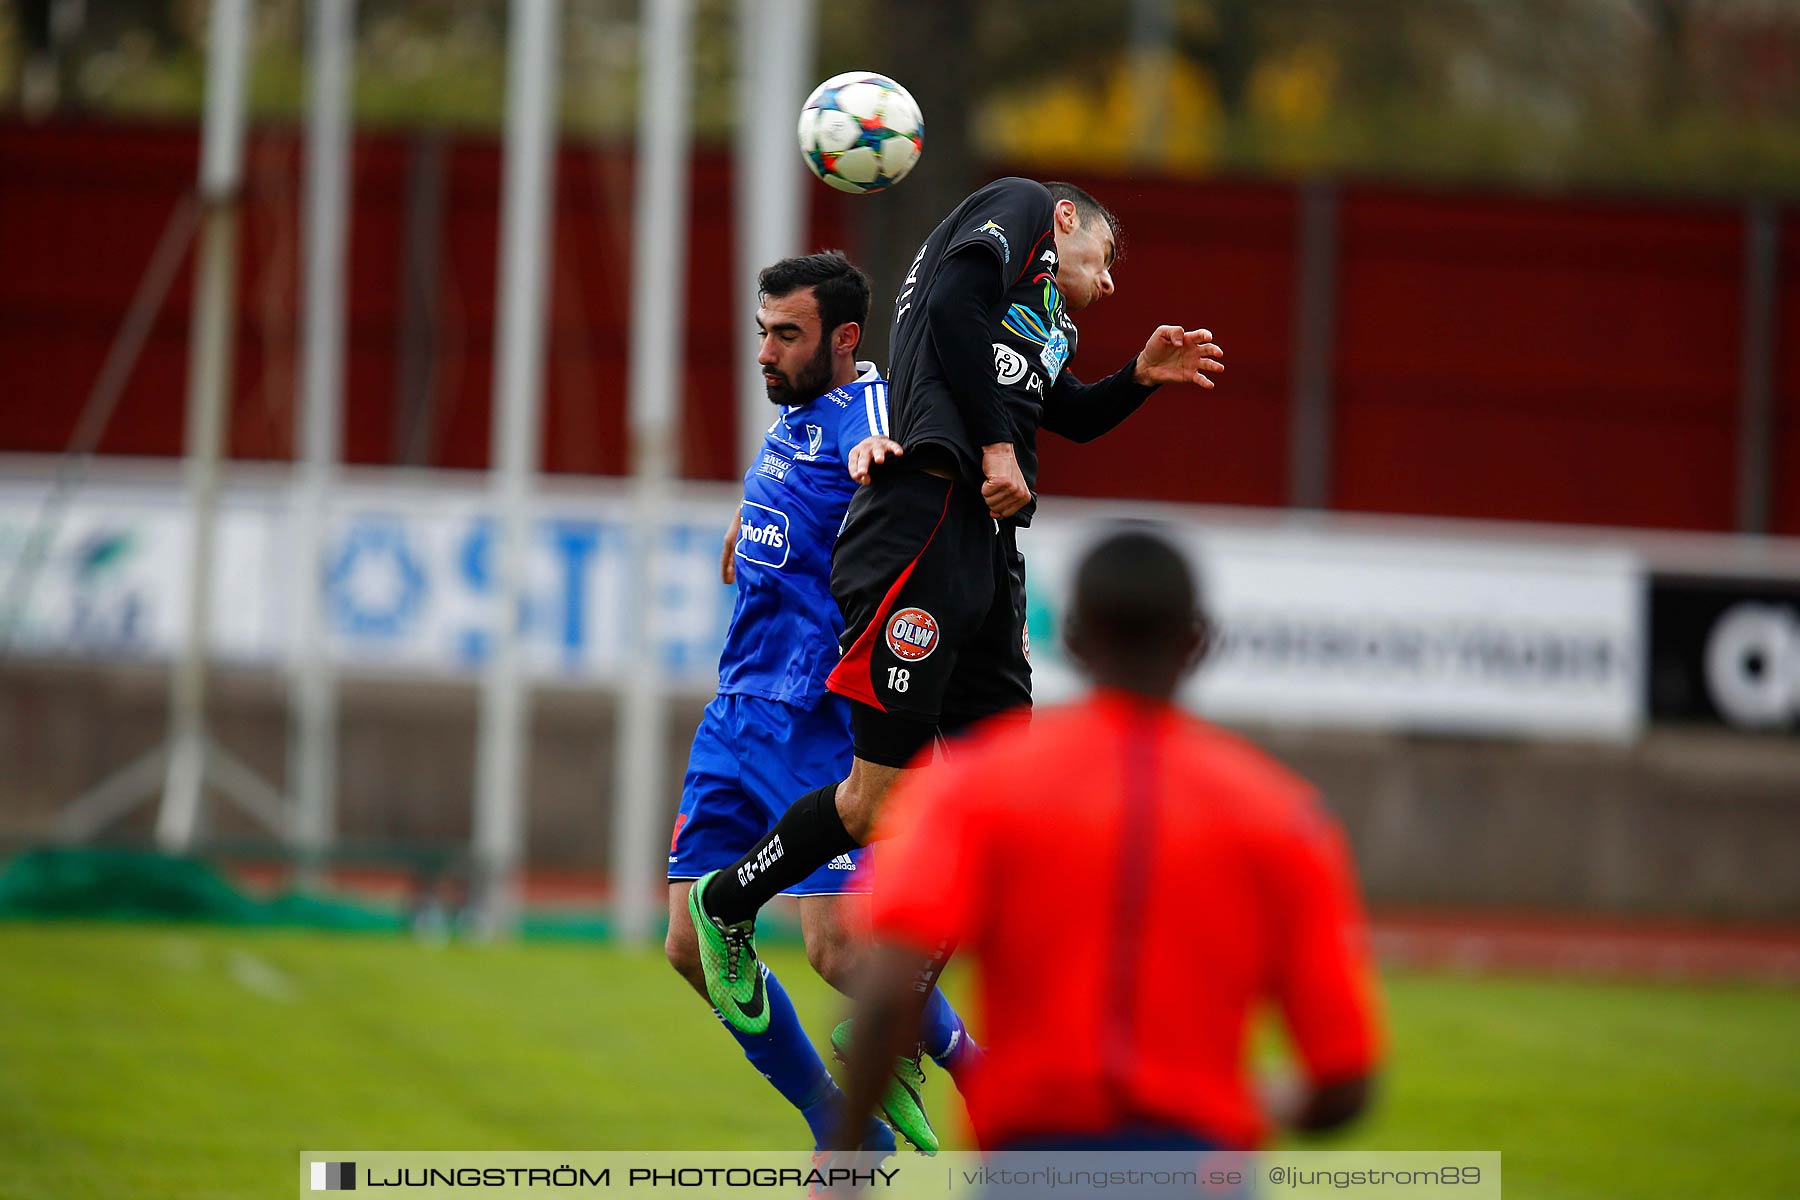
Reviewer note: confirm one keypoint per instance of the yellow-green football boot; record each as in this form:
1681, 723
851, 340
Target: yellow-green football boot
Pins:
901, 1102
734, 981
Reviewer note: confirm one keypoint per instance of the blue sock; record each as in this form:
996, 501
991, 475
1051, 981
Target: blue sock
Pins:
823, 1115
946, 1038
786, 1058
940, 1029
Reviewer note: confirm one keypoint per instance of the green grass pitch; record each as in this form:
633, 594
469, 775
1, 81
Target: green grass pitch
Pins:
154, 1061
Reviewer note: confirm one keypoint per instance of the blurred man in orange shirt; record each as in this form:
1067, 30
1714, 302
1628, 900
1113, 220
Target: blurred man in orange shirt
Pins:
1132, 884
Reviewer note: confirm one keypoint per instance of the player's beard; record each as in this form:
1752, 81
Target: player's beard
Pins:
812, 381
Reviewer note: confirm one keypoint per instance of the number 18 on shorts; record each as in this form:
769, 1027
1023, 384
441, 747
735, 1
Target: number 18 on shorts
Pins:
912, 634
933, 625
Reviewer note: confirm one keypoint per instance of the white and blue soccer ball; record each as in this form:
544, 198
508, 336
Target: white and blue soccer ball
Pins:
861, 132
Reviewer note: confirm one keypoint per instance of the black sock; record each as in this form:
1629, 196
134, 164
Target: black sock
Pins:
809, 835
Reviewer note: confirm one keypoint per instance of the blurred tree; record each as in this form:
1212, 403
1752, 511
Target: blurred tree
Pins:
45, 82
1230, 52
1685, 94
928, 48
1669, 22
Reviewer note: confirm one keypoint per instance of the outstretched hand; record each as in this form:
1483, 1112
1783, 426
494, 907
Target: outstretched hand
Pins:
871, 450
1177, 355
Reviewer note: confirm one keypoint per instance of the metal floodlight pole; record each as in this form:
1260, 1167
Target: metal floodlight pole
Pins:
1756, 357
658, 270
1153, 56
775, 55
531, 95
209, 381
188, 756
312, 705
1315, 324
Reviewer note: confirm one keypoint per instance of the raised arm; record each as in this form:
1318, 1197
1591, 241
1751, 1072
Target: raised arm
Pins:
965, 304
1082, 412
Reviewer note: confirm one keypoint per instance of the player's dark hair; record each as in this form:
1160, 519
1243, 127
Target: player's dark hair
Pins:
841, 290
1137, 622
1087, 208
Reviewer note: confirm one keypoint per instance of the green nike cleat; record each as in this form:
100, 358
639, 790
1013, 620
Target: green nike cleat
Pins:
734, 981
900, 1101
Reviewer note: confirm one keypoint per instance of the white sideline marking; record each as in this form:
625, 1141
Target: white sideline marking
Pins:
262, 977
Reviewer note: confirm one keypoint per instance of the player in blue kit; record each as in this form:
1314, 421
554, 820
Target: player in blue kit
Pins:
774, 730
927, 567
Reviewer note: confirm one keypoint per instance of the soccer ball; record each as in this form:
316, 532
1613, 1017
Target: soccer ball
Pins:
861, 132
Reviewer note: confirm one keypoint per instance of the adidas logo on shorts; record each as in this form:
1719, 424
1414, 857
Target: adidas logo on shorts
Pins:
842, 862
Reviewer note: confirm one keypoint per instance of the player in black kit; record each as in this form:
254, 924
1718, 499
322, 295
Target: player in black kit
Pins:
927, 568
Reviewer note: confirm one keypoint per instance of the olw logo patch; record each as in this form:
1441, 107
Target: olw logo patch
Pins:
912, 634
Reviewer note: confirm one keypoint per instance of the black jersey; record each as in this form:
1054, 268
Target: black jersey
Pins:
1010, 219
982, 338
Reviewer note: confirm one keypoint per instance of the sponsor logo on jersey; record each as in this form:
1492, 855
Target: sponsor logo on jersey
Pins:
1009, 364
779, 432
1025, 322
903, 301
771, 535
993, 230
912, 634
1048, 256
763, 535
1036, 384
773, 465
815, 437
1055, 353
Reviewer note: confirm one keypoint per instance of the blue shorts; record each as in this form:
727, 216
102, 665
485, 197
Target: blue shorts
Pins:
752, 758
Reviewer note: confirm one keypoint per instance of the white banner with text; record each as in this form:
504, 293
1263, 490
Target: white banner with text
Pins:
1315, 628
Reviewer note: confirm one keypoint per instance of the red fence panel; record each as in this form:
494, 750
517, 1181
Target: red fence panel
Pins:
81, 211
1215, 254
1497, 357
1538, 360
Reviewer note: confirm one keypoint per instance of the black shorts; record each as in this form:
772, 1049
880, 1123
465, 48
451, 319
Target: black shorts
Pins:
932, 590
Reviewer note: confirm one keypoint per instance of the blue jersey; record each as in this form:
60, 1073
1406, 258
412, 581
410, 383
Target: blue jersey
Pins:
783, 639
